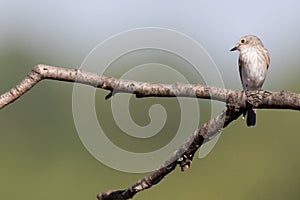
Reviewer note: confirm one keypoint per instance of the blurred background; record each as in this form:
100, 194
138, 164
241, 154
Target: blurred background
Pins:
41, 154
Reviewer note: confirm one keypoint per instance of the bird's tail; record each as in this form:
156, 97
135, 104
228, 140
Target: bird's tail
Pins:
251, 117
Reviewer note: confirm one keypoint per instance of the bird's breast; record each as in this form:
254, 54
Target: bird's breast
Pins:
253, 68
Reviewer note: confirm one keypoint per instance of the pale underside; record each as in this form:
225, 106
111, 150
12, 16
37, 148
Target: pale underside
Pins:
253, 66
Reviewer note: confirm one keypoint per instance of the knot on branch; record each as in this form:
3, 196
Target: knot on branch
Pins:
185, 162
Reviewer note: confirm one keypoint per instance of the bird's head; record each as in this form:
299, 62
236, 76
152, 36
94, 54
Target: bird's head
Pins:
247, 41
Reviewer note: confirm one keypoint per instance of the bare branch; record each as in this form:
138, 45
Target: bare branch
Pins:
237, 102
183, 156
283, 99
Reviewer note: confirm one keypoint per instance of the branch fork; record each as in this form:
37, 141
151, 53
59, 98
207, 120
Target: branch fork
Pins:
237, 102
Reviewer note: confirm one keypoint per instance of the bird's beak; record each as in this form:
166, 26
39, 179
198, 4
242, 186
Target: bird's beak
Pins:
233, 49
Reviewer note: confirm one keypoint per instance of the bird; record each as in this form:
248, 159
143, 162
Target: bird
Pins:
253, 63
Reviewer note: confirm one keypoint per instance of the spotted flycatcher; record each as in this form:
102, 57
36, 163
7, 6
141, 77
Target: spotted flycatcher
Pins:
253, 64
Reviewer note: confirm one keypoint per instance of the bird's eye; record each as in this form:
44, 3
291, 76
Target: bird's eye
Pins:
242, 41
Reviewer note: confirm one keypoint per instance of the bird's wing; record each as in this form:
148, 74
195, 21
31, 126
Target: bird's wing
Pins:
267, 57
240, 67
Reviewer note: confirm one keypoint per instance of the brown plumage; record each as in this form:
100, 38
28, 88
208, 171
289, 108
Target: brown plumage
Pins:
253, 64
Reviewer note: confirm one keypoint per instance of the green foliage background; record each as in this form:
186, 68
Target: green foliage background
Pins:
42, 157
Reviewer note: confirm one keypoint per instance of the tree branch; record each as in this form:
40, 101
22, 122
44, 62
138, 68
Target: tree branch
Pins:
237, 102
261, 99
182, 156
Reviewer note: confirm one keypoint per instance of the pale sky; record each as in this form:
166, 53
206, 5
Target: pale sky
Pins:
70, 29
